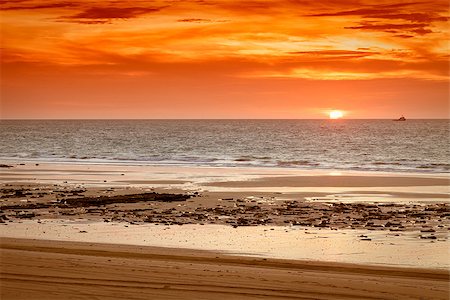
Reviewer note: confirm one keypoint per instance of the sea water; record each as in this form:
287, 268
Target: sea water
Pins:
377, 145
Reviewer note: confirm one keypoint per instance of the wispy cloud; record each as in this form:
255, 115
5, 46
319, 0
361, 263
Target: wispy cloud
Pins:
354, 38
104, 14
327, 54
418, 28
35, 6
390, 18
200, 20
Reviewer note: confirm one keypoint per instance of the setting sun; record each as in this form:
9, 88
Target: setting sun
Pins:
336, 114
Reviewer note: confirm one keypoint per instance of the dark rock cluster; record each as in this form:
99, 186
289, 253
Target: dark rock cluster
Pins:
179, 209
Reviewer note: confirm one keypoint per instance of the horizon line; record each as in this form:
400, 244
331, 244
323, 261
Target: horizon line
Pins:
199, 119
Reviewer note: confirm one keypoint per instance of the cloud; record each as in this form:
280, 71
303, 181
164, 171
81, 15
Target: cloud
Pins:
390, 18
419, 28
199, 20
247, 6
84, 12
335, 54
95, 15
195, 20
38, 6
413, 17
367, 11
13, 1
352, 38
404, 36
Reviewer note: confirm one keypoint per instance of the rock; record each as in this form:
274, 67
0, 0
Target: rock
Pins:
429, 237
428, 230
324, 223
25, 215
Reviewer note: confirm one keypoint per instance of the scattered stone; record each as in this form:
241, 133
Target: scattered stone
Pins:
151, 207
430, 237
428, 230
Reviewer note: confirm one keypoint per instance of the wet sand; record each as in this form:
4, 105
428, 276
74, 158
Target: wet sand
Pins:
176, 207
54, 270
335, 181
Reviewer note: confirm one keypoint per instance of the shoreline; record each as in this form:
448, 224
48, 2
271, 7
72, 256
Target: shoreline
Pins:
392, 186
199, 165
20, 165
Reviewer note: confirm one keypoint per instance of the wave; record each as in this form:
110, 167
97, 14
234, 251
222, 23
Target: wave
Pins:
216, 162
293, 163
378, 145
442, 166
382, 163
251, 158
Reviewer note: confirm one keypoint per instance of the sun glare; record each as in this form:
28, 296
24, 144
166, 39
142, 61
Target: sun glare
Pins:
336, 114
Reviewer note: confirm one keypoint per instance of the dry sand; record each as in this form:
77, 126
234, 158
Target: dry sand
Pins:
365, 247
60, 270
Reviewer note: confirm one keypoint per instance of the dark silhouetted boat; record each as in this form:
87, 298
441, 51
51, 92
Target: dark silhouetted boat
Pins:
402, 118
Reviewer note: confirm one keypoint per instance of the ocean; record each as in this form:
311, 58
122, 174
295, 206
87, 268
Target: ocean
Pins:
375, 145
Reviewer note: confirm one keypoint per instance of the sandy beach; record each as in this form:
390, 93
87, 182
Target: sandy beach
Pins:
37, 269
165, 232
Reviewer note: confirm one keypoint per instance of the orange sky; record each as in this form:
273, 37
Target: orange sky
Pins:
224, 59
